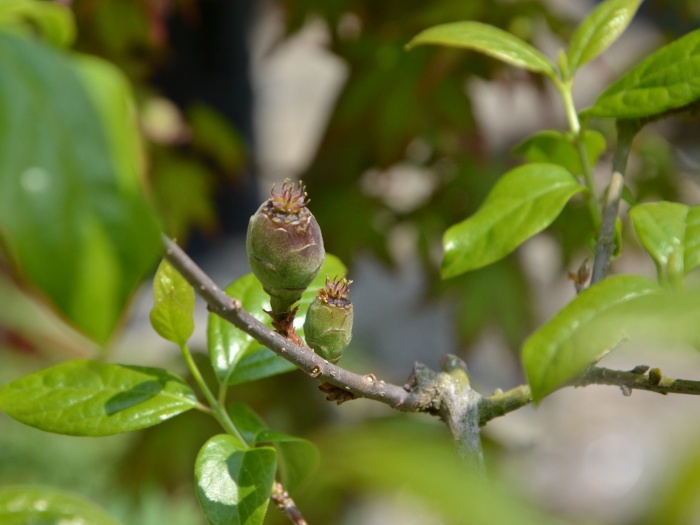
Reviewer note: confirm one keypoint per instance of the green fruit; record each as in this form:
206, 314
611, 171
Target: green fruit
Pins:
328, 324
285, 247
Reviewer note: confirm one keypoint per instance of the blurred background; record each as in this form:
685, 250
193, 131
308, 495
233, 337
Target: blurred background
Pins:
394, 147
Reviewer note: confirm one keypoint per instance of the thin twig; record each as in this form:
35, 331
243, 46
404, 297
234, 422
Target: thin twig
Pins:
605, 247
286, 505
502, 403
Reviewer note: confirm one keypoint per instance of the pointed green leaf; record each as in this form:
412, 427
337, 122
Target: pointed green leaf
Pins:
670, 232
298, 458
70, 222
599, 30
557, 147
522, 203
38, 505
666, 80
489, 40
172, 315
234, 482
237, 357
578, 335
90, 398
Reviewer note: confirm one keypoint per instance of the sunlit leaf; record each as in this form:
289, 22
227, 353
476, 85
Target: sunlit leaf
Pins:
578, 335
172, 315
489, 40
237, 357
522, 203
38, 505
666, 80
599, 30
670, 232
234, 482
90, 398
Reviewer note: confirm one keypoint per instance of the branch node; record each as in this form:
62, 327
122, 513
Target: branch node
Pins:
655, 376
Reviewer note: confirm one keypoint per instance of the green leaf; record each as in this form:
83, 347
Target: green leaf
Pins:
53, 21
599, 30
666, 80
248, 423
522, 203
489, 40
234, 482
258, 363
36, 505
172, 315
557, 147
112, 98
237, 357
73, 225
575, 337
298, 458
90, 398
670, 232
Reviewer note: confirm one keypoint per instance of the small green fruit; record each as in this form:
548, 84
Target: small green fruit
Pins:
328, 324
285, 247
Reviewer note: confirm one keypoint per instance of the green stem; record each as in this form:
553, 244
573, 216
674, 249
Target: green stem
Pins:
565, 90
223, 390
218, 410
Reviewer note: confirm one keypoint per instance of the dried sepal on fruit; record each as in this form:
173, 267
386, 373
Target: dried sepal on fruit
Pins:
328, 323
285, 247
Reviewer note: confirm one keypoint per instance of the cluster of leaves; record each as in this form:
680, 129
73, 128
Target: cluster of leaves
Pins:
527, 199
410, 111
423, 122
234, 471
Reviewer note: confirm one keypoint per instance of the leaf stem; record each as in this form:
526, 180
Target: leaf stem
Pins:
566, 91
218, 410
223, 390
